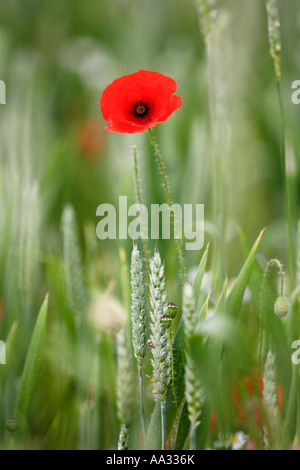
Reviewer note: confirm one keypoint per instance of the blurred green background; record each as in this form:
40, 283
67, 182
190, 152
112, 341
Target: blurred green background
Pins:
56, 58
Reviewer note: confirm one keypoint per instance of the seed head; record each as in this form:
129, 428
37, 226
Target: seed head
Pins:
281, 306
161, 354
138, 315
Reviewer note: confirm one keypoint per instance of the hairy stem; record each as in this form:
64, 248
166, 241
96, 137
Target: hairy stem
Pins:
172, 368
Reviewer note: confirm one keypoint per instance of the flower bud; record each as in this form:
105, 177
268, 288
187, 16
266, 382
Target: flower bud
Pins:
172, 310
11, 424
166, 321
281, 306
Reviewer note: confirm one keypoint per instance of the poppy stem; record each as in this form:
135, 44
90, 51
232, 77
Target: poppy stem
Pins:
168, 195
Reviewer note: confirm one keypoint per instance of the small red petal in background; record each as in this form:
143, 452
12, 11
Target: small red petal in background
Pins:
257, 416
261, 384
91, 139
248, 383
280, 396
213, 420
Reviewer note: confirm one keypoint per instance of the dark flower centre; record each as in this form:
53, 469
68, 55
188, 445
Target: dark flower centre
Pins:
140, 109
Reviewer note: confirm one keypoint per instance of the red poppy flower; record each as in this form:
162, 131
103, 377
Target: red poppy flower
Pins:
135, 102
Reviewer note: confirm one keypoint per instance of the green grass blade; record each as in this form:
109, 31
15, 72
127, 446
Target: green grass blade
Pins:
290, 422
235, 297
10, 340
32, 364
200, 274
183, 428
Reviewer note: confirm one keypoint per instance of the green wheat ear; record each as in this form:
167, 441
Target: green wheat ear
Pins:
138, 313
274, 35
161, 353
272, 426
161, 356
138, 321
123, 442
207, 13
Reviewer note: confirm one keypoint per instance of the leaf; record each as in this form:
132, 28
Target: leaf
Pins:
200, 274
290, 422
204, 309
183, 428
235, 297
32, 365
10, 340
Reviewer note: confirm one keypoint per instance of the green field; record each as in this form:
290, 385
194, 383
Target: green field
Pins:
71, 379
